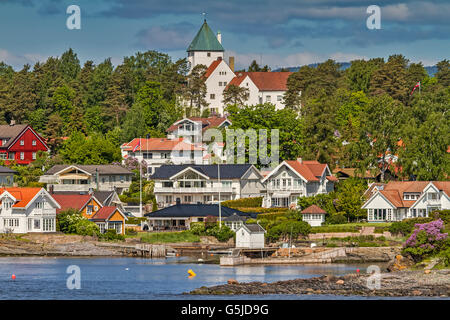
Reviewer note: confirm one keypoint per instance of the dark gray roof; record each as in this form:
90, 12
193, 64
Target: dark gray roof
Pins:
6, 170
102, 168
227, 171
195, 210
234, 217
10, 132
254, 227
104, 197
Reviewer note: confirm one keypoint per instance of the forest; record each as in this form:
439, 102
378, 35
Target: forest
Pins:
357, 117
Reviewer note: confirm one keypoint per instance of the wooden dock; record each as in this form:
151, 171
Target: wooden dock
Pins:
145, 250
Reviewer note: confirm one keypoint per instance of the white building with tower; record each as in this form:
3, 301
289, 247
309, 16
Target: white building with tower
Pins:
207, 49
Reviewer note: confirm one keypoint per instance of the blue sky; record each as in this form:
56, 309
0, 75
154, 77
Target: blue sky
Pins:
278, 33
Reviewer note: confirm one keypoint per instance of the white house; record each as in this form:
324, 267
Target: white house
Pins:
250, 236
24, 210
398, 200
207, 49
314, 215
193, 128
85, 178
158, 151
202, 183
296, 178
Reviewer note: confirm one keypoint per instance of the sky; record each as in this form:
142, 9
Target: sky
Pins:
282, 33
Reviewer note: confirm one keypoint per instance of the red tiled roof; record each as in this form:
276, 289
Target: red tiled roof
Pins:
71, 201
265, 81
394, 190
207, 123
310, 170
104, 213
302, 169
22, 195
212, 67
314, 209
159, 144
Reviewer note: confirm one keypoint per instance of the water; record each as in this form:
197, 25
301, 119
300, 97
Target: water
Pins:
132, 278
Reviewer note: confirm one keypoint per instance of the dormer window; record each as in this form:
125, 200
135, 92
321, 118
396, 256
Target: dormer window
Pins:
7, 204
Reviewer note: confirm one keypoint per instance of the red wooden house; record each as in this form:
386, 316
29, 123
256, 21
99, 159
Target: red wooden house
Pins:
19, 142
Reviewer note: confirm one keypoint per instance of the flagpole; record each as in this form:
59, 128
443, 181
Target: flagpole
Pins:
220, 209
140, 180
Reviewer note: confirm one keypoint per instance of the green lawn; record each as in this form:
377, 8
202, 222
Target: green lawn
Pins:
349, 227
168, 237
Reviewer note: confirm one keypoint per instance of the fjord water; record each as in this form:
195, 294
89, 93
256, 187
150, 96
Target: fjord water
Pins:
134, 278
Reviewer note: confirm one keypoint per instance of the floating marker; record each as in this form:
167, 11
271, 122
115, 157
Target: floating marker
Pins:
357, 271
191, 273
127, 269
13, 277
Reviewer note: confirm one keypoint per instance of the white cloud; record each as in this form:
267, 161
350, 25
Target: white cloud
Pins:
17, 61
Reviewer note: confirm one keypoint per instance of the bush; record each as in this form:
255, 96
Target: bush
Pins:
130, 232
222, 234
244, 203
135, 220
444, 215
425, 240
445, 256
287, 228
67, 220
198, 228
111, 234
336, 219
85, 227
406, 226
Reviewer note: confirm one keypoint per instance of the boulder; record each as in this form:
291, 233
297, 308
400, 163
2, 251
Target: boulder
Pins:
232, 281
340, 282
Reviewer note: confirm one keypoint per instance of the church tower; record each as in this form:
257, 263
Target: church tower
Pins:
205, 48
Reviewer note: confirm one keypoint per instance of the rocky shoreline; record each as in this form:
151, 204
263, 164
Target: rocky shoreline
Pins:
435, 283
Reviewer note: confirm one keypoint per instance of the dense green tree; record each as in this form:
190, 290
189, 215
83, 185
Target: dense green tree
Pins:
443, 73
235, 95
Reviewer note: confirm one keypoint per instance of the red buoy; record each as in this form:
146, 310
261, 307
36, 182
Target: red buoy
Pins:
13, 277
357, 270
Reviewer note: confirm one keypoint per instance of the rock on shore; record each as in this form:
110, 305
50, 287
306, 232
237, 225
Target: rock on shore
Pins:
394, 284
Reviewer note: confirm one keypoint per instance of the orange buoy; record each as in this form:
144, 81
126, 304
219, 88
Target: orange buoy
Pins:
13, 277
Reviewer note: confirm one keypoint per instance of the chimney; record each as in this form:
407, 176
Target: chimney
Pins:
231, 63
219, 37
300, 160
13, 122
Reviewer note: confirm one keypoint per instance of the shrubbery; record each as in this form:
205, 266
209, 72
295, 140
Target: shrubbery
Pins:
336, 219
208, 229
288, 228
406, 226
426, 239
244, 203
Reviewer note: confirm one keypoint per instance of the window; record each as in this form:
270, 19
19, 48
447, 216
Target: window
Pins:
40, 205
208, 54
187, 199
168, 199
220, 83
11, 155
370, 215
101, 226
167, 184
226, 184
3, 155
165, 155
22, 156
148, 155
33, 143
268, 98
4, 141
22, 142
279, 98
89, 210
37, 224
33, 155
48, 224
30, 224
225, 84
7, 204
212, 96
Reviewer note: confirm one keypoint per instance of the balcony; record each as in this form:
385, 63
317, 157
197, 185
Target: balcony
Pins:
195, 190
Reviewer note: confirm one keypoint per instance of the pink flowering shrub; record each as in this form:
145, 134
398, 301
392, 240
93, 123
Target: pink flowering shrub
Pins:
426, 239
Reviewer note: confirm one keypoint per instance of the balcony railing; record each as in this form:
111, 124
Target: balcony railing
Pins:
195, 190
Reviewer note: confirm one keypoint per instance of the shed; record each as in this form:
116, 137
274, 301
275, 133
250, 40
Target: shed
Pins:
314, 215
250, 236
